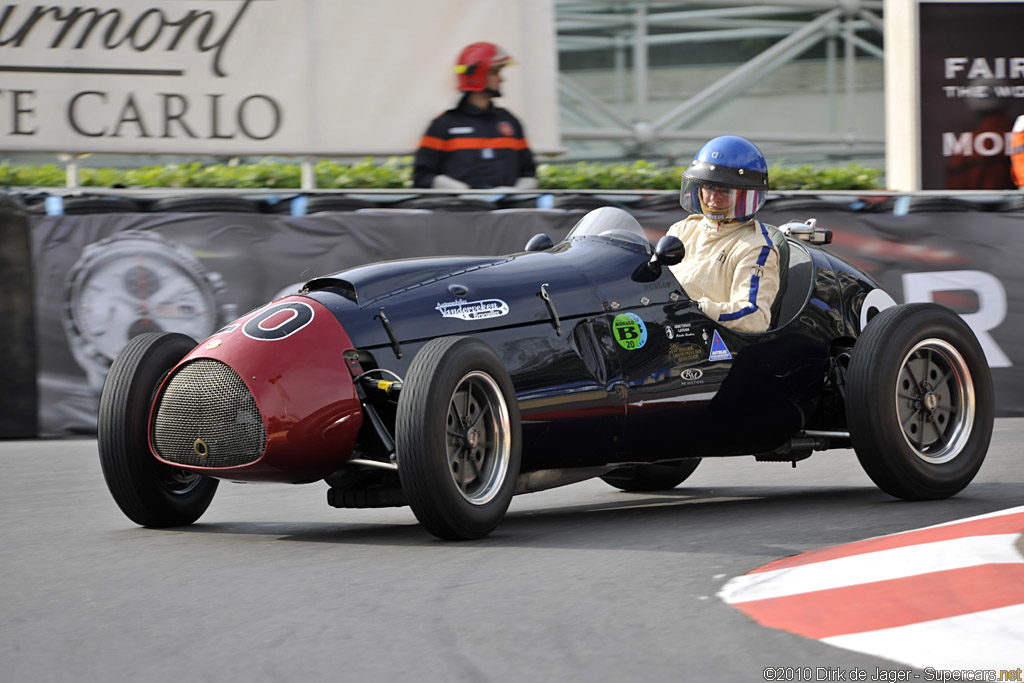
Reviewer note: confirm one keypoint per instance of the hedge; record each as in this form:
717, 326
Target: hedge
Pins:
397, 173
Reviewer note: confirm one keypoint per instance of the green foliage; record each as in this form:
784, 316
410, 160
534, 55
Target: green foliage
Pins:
393, 173
27, 176
396, 173
591, 176
852, 177
645, 175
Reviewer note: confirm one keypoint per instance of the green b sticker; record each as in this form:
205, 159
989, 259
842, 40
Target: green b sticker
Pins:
630, 331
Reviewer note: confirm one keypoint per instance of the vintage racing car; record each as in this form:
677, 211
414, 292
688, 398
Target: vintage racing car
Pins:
451, 384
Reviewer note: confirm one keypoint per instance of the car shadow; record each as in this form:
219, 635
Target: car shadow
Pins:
760, 521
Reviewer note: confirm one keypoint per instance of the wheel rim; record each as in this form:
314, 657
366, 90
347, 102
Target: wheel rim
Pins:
935, 401
479, 438
178, 482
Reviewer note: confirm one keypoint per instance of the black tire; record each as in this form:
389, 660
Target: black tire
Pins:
655, 477
337, 203
454, 204
919, 402
658, 202
942, 205
205, 203
76, 206
458, 478
149, 492
583, 201
811, 205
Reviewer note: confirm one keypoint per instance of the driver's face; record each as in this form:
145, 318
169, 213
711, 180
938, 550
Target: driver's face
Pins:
717, 198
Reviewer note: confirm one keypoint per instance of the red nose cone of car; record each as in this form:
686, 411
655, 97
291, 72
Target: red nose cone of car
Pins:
251, 403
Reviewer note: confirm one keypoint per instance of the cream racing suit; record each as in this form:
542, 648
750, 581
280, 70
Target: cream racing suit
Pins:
730, 269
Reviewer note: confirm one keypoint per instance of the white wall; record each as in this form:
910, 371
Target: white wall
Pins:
258, 77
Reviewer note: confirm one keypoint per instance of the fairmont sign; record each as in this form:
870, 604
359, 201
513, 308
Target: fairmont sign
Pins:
173, 30
250, 77
153, 76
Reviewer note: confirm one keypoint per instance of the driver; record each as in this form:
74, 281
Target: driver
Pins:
731, 266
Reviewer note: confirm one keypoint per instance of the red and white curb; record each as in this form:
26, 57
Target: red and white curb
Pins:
947, 597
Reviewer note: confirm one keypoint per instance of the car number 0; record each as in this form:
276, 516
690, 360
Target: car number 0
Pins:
285, 319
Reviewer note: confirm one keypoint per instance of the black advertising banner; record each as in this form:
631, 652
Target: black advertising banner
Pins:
204, 269
968, 261
971, 90
201, 270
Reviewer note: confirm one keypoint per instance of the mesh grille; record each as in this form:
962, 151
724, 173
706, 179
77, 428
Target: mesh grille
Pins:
207, 417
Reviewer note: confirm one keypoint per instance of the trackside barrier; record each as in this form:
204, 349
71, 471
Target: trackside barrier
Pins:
204, 266
18, 405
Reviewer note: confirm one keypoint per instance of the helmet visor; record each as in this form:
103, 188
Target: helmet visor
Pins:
720, 203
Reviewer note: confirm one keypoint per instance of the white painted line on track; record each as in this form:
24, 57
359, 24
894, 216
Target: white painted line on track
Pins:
948, 597
870, 567
992, 639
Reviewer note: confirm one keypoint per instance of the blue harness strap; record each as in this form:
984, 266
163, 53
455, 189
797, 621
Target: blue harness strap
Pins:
755, 280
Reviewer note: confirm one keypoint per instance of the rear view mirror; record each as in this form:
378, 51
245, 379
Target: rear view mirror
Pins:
539, 242
668, 252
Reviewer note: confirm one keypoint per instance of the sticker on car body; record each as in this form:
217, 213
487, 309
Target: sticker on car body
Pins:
719, 351
678, 330
473, 310
691, 374
683, 354
630, 331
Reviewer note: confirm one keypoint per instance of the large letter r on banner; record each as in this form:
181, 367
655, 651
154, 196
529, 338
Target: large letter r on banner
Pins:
991, 303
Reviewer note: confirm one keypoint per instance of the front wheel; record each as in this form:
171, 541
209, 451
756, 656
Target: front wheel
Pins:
149, 492
920, 404
457, 438
654, 477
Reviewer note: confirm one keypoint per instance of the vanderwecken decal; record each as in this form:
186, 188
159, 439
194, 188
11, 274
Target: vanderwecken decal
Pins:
473, 310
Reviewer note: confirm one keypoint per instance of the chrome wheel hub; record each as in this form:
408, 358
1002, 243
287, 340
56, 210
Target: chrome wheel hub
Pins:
479, 437
935, 401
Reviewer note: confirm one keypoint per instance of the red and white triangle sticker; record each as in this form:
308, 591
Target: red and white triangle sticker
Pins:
946, 597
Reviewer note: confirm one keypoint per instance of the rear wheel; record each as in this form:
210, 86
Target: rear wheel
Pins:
655, 477
920, 404
457, 438
149, 492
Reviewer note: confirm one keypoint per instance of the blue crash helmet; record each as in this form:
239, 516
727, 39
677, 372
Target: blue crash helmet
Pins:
728, 163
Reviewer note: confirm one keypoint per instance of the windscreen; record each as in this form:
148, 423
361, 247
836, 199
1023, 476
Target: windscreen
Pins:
613, 225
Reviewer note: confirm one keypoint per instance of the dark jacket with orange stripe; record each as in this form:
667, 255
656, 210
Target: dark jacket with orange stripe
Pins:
481, 147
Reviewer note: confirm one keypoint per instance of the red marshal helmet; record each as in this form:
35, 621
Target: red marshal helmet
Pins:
474, 63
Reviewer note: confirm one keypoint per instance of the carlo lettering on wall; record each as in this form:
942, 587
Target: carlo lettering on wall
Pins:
257, 117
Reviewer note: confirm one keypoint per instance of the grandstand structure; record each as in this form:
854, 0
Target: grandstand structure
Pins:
653, 80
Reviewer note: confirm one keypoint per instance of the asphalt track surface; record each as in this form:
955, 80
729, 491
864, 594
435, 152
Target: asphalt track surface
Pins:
581, 583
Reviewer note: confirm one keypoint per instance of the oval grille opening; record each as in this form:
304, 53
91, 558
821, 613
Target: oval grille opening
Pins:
206, 417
